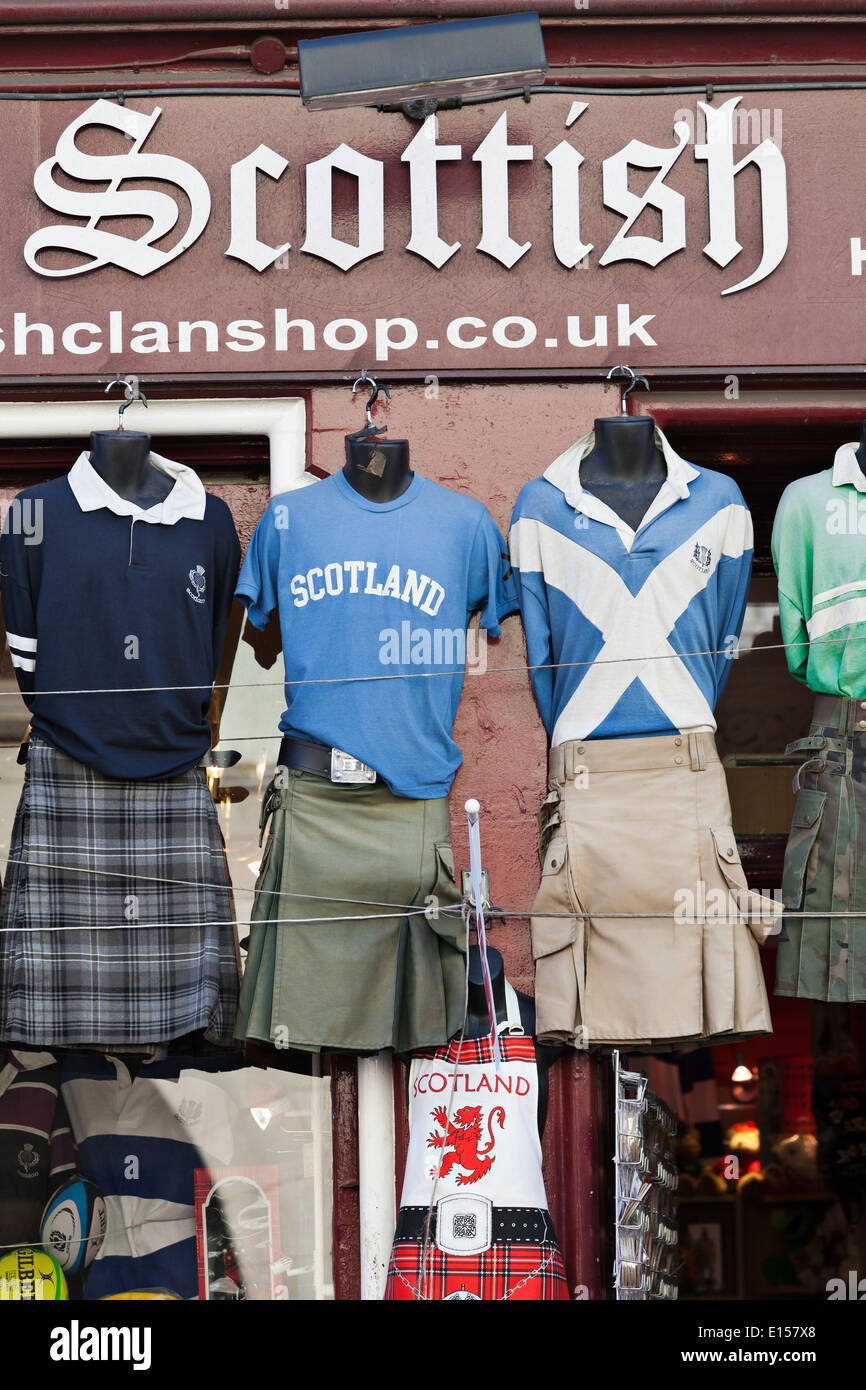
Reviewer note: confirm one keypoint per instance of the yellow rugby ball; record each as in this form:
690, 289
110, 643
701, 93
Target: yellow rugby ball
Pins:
31, 1276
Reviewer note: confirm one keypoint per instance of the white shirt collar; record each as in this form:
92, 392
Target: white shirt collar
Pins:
19, 1062
846, 469
186, 499
564, 473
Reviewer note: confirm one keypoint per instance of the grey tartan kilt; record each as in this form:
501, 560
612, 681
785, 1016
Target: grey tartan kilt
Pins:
117, 916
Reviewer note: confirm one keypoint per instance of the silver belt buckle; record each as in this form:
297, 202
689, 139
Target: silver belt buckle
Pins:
464, 1224
345, 768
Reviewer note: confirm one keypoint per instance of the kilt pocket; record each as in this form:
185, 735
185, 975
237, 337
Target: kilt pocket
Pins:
759, 913
445, 886
551, 934
445, 893
803, 848
549, 820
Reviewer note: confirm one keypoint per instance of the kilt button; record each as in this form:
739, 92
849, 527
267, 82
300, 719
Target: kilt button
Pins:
581, 749
861, 723
678, 761
729, 853
678, 742
863, 704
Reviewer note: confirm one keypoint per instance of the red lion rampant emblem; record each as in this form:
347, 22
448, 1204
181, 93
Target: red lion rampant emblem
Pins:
463, 1137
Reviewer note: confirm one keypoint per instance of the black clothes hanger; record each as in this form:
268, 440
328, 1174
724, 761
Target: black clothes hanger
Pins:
121, 457
378, 469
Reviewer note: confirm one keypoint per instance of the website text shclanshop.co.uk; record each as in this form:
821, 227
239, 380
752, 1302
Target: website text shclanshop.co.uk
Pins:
27, 336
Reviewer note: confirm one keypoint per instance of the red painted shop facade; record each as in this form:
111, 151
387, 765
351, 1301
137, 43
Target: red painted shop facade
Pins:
178, 215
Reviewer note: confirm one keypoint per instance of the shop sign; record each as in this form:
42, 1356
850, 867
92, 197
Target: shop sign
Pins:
208, 234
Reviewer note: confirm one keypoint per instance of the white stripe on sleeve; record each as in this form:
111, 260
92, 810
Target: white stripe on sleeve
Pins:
24, 644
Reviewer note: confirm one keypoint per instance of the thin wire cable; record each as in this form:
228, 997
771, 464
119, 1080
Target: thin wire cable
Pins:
400, 909
204, 883
734, 654
231, 922
680, 918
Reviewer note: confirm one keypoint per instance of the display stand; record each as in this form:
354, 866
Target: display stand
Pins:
647, 1242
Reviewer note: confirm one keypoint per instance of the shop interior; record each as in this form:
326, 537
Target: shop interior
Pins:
771, 1142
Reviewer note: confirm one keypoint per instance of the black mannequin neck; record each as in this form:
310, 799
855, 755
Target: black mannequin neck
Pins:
625, 468
378, 468
478, 1017
122, 460
861, 451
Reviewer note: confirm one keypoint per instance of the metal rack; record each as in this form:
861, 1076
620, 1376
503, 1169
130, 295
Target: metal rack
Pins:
647, 1240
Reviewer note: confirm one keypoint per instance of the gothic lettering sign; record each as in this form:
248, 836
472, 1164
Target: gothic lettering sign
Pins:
244, 233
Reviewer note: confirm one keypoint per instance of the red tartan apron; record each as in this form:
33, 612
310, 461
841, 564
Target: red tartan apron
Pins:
491, 1235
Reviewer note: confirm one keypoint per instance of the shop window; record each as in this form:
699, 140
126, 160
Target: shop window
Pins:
763, 708
769, 1153
236, 1159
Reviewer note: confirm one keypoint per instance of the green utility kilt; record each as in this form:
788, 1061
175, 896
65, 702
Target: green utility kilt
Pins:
388, 981
825, 861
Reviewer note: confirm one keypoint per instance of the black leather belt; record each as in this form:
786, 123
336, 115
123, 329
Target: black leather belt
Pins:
220, 757
304, 756
333, 763
518, 1225
216, 757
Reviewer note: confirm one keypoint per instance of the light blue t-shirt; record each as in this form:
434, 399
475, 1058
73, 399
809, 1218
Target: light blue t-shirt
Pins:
381, 591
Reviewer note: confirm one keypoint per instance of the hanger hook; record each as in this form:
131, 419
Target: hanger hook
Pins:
376, 389
634, 381
362, 378
132, 392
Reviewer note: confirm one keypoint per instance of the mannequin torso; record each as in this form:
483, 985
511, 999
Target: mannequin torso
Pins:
122, 460
377, 468
625, 468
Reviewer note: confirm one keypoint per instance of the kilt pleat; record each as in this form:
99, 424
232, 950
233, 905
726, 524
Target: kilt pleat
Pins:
507, 1271
144, 862
824, 957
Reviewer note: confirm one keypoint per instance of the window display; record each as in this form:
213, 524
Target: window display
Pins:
818, 555
375, 584
117, 921
630, 634
474, 1221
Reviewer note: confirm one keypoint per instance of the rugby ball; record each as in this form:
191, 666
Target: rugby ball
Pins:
142, 1294
73, 1224
31, 1276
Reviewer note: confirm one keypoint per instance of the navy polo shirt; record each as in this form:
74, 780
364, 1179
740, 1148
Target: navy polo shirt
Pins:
106, 605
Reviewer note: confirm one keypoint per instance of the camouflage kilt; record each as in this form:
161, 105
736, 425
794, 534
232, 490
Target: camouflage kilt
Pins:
825, 860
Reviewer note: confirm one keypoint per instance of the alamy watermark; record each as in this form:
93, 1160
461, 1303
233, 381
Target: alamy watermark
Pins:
448, 648
23, 516
750, 125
